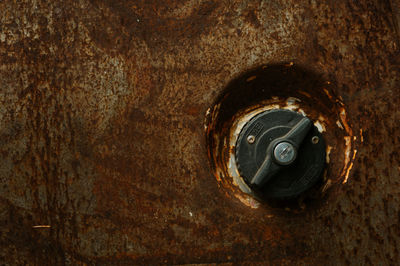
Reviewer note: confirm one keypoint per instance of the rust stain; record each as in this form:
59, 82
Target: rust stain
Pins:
251, 78
102, 131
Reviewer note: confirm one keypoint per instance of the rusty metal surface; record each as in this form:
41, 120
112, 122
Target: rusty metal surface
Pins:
103, 153
284, 86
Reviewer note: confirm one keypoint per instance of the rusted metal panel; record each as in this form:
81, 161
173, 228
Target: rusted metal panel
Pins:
103, 153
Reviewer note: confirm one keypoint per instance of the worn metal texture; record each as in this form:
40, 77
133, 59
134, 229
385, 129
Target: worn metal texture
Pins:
103, 156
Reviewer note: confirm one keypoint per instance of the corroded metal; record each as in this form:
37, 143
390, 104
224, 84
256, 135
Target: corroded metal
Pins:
280, 86
102, 147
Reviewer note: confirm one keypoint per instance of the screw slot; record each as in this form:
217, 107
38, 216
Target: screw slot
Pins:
251, 139
314, 140
284, 153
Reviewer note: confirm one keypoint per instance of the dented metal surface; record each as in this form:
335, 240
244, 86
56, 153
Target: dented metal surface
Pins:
103, 154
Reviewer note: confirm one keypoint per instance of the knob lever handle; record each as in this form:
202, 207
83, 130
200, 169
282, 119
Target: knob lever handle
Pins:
297, 134
270, 167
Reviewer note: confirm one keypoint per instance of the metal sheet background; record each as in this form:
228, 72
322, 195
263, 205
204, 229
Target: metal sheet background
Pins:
101, 130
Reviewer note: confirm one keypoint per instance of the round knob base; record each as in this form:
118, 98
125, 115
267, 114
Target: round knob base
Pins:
300, 166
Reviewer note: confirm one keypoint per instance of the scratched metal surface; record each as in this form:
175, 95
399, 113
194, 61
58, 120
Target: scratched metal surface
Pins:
102, 136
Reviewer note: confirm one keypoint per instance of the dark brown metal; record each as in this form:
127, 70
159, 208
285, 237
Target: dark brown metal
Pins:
103, 158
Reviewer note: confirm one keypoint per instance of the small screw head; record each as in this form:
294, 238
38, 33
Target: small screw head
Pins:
251, 139
315, 140
285, 153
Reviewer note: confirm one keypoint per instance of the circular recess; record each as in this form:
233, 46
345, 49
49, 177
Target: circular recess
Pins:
230, 127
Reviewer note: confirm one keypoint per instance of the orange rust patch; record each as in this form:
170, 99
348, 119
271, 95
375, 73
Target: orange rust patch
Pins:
251, 78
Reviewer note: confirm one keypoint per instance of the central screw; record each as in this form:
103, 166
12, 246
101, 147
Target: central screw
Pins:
285, 153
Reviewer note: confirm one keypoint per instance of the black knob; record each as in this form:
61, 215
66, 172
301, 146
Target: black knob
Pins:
280, 154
